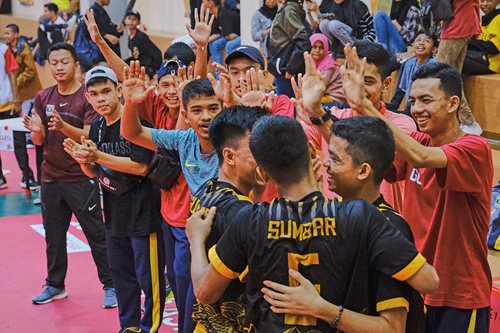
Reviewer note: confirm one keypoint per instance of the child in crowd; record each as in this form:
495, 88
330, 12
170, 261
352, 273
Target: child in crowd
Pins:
182, 52
328, 68
424, 48
483, 52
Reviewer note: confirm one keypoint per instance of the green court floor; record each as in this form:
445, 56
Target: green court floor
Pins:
17, 204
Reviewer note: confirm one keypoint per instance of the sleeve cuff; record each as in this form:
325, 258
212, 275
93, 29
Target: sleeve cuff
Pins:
393, 303
219, 266
410, 269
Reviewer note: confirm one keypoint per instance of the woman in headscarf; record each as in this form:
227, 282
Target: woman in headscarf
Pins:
328, 68
397, 32
262, 20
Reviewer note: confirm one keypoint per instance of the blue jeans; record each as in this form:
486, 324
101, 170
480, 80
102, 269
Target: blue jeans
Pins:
387, 34
178, 262
216, 48
232, 45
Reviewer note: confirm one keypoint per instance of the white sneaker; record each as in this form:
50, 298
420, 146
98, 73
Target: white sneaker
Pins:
37, 201
473, 128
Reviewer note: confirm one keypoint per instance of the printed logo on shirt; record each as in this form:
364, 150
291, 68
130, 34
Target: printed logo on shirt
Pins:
415, 176
63, 104
187, 164
135, 52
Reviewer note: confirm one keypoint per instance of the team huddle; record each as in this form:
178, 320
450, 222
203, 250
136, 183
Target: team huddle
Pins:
288, 230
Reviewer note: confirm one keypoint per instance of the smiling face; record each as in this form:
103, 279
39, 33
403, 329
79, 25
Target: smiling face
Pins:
200, 113
62, 65
423, 46
10, 36
374, 86
104, 97
238, 70
487, 6
168, 92
430, 106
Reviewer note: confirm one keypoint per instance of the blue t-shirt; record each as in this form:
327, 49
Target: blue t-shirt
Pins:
410, 67
197, 167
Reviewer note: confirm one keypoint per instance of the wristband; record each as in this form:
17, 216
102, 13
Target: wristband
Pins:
337, 319
322, 119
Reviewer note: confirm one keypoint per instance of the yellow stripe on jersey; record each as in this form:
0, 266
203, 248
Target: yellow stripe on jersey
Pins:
472, 322
155, 281
239, 196
411, 268
243, 276
219, 266
393, 303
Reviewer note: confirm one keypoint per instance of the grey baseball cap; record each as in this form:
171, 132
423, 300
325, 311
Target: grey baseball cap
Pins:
100, 71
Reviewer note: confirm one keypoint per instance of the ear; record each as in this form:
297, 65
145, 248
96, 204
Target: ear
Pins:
453, 104
386, 84
365, 171
185, 116
87, 96
261, 175
119, 90
228, 156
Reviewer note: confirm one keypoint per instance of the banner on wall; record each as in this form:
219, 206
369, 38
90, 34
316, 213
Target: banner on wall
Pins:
26, 2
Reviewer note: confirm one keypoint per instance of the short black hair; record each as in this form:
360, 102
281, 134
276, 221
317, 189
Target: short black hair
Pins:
196, 88
181, 51
52, 7
62, 46
449, 77
432, 36
97, 80
369, 140
13, 27
375, 54
85, 65
279, 145
229, 126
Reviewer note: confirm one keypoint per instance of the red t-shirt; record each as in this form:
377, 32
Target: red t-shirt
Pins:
76, 111
174, 202
10, 61
448, 211
465, 23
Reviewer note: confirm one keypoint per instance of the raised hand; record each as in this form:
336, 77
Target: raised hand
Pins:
202, 28
33, 123
253, 91
89, 19
56, 123
222, 88
134, 86
312, 88
353, 78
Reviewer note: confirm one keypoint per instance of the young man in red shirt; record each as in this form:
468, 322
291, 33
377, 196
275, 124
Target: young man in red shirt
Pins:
448, 176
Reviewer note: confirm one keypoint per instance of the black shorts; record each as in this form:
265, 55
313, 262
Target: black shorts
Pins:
445, 319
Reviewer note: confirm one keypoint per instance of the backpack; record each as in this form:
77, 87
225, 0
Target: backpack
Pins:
433, 12
84, 46
494, 232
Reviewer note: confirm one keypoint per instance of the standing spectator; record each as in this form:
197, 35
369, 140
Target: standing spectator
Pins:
483, 52
229, 25
51, 31
399, 30
62, 111
139, 44
262, 20
8, 66
287, 42
328, 68
110, 31
453, 47
28, 85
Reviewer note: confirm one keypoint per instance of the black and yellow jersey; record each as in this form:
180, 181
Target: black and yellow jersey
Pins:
390, 293
333, 244
226, 315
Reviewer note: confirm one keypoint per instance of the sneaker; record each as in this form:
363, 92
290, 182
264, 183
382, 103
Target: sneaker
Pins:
130, 330
3, 183
473, 128
49, 294
109, 300
32, 183
37, 201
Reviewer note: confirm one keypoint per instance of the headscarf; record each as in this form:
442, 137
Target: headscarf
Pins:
399, 9
270, 13
327, 62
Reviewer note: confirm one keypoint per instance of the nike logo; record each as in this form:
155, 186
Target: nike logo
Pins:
187, 164
63, 104
91, 208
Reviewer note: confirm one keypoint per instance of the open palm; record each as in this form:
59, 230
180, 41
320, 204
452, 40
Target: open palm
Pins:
312, 86
33, 123
203, 26
92, 28
134, 85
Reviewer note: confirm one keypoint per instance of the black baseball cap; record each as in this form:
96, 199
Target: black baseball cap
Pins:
249, 52
133, 12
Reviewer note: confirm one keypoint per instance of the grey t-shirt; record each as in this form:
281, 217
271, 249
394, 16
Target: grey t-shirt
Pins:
197, 167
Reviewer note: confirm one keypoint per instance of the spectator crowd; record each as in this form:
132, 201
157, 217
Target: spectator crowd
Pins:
270, 188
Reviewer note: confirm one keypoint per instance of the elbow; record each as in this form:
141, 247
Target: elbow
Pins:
143, 170
433, 284
204, 294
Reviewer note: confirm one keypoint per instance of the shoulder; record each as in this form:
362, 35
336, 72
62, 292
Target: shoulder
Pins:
470, 142
402, 121
422, 138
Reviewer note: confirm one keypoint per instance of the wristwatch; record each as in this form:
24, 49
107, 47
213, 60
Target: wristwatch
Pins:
318, 121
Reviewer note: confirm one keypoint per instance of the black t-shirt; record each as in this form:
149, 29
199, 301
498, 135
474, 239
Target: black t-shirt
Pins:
333, 244
137, 211
226, 315
144, 50
390, 293
229, 21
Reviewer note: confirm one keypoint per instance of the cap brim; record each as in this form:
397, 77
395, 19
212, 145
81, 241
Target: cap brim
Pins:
241, 53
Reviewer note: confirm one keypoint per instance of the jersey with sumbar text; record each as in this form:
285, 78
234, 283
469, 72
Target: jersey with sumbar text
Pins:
333, 244
228, 313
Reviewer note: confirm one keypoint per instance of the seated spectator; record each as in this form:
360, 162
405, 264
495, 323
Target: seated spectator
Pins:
483, 52
182, 52
424, 48
287, 42
399, 30
52, 30
229, 25
328, 68
262, 21
352, 21
139, 44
